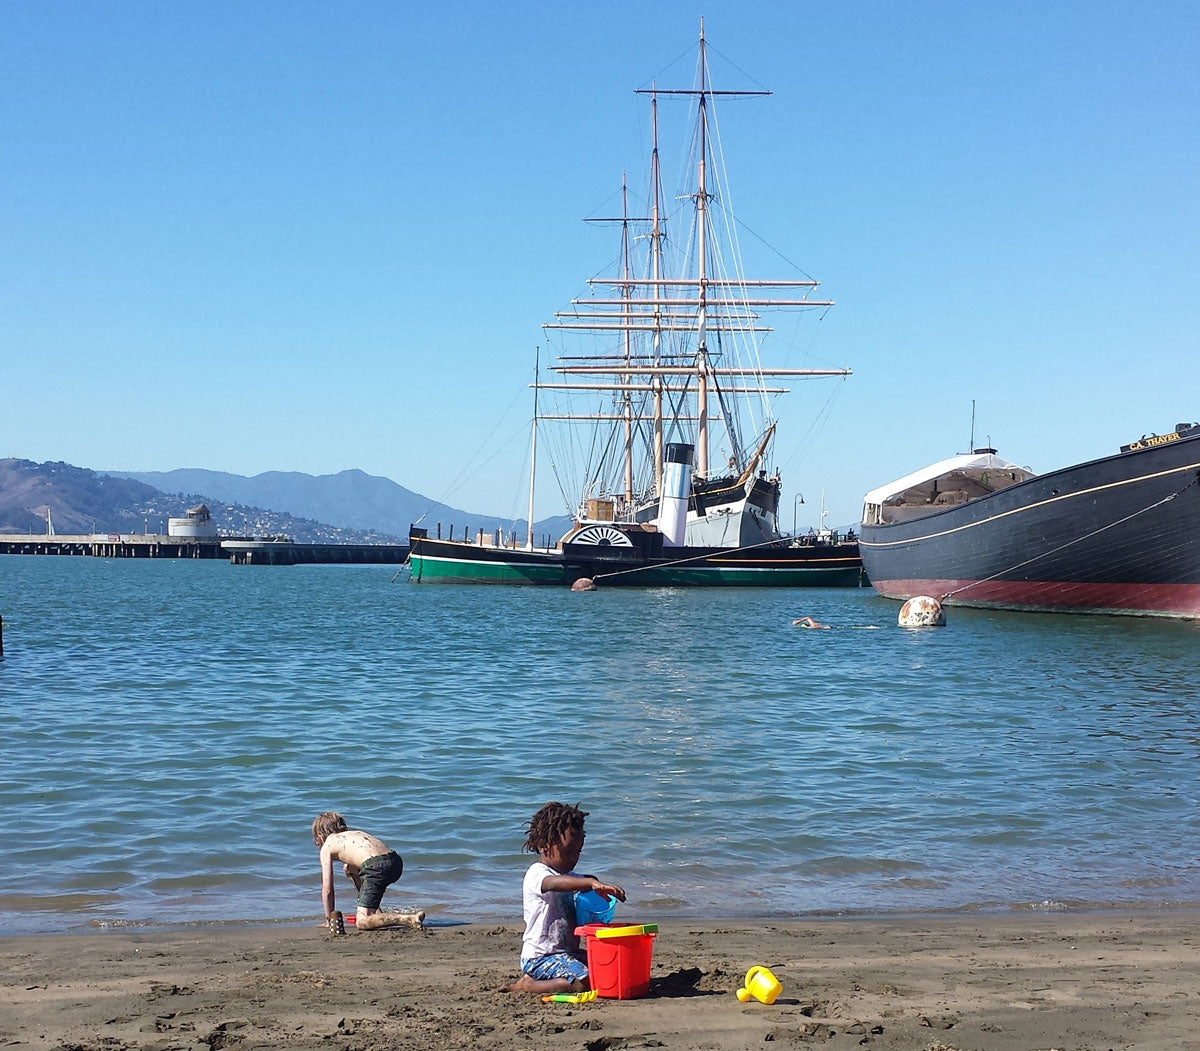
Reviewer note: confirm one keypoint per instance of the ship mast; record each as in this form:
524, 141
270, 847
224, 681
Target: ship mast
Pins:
656, 240
694, 304
532, 448
702, 271
704, 285
627, 286
627, 293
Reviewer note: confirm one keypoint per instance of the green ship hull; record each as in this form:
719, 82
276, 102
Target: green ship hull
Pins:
448, 562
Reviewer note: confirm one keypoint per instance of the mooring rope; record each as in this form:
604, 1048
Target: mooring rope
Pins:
1078, 539
694, 558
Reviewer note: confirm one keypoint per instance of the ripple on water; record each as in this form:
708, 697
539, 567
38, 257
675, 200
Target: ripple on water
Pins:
171, 763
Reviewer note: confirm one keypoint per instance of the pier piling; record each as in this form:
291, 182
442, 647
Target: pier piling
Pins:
240, 551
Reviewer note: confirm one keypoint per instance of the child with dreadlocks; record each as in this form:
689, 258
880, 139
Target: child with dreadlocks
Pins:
551, 959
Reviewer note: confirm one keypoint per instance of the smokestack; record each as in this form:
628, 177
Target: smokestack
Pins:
677, 486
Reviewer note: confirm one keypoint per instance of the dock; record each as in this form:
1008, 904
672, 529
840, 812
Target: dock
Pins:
241, 551
286, 553
111, 545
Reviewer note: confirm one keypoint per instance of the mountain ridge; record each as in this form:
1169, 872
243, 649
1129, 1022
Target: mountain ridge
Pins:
348, 507
351, 498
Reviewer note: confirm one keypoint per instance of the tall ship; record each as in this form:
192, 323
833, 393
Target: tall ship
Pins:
666, 405
1117, 535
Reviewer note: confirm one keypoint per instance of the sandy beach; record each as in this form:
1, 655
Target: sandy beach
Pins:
1044, 980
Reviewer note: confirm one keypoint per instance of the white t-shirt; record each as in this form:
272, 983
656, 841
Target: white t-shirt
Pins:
549, 916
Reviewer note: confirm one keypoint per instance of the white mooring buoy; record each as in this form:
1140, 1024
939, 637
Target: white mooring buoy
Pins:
921, 611
584, 584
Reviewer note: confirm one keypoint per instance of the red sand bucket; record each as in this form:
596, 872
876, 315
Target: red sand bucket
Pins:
619, 958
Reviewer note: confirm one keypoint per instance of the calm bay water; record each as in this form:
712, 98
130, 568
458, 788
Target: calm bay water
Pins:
172, 727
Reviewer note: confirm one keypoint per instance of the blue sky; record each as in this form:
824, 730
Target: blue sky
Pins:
299, 236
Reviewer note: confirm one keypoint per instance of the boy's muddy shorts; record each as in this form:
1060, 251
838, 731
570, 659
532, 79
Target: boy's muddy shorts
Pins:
376, 875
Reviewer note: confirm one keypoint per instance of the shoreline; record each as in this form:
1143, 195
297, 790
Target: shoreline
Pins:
446, 920
1030, 980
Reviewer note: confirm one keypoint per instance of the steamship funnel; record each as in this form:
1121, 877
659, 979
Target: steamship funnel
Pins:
677, 486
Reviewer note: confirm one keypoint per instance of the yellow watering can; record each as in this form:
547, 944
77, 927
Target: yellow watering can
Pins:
761, 984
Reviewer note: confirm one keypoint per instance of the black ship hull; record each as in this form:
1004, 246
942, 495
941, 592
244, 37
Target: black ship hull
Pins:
1116, 535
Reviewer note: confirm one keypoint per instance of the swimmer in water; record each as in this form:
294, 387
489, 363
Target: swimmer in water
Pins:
808, 622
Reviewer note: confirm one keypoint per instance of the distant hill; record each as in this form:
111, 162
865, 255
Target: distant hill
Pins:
351, 498
79, 500
85, 501
351, 507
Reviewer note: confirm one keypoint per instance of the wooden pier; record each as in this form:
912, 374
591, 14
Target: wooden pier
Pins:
111, 545
241, 551
286, 553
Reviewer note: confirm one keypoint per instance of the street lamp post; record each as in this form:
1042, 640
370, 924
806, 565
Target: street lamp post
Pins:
797, 499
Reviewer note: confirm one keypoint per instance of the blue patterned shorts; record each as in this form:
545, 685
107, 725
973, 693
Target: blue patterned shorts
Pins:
555, 965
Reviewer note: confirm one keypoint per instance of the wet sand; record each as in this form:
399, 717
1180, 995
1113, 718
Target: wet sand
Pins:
1046, 980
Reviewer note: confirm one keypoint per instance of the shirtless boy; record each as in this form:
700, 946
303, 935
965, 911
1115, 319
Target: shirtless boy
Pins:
372, 868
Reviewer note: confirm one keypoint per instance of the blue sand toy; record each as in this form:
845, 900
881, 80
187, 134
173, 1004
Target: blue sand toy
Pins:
591, 907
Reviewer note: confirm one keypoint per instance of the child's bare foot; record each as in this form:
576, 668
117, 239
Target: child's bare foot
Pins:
524, 984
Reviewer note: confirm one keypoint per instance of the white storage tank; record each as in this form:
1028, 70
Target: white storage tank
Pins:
198, 523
